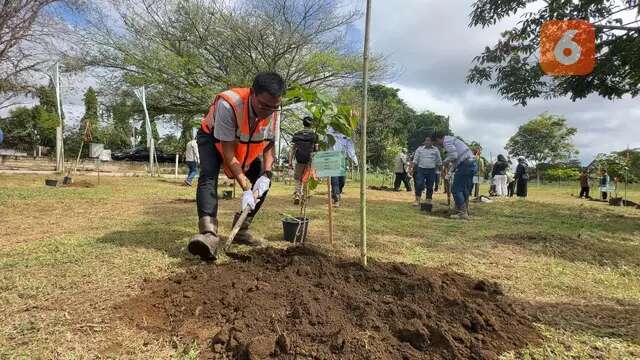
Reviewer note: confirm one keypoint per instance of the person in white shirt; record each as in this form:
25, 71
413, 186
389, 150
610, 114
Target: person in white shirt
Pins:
461, 159
400, 166
344, 144
192, 159
426, 161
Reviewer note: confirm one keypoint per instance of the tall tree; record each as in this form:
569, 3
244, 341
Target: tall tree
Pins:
546, 138
188, 50
121, 130
425, 124
26, 128
511, 65
389, 123
90, 116
143, 133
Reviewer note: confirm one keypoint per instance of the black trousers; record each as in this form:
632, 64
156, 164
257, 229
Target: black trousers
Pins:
584, 191
210, 163
521, 188
604, 195
511, 188
402, 178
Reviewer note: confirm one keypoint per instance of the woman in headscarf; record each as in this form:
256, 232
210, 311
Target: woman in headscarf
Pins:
521, 178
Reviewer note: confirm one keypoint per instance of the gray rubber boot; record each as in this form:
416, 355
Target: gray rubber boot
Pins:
460, 214
204, 244
244, 236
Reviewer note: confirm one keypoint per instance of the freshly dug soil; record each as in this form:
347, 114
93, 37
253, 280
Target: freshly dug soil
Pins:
301, 304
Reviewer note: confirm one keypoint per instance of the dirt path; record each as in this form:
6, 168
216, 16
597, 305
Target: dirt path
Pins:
301, 304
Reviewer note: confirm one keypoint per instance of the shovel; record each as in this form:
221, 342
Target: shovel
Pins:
221, 249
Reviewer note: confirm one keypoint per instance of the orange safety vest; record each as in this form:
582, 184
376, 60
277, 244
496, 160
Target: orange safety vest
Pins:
250, 143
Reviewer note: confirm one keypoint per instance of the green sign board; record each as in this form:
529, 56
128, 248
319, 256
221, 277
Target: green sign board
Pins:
330, 163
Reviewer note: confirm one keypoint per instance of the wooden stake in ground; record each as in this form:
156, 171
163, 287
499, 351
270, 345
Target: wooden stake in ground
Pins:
330, 211
363, 149
177, 159
86, 137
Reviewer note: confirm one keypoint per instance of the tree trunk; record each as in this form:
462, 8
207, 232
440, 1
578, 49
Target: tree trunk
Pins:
538, 175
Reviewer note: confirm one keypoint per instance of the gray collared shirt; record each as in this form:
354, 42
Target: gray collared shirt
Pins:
427, 157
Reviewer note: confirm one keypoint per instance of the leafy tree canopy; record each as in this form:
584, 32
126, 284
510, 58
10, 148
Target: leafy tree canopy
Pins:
546, 138
511, 65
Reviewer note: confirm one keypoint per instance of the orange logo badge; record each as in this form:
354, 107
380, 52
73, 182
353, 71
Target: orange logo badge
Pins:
567, 47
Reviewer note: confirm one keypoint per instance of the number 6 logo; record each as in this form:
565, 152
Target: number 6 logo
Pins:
567, 47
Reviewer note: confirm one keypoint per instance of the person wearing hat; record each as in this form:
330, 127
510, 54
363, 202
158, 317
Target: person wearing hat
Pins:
400, 165
522, 178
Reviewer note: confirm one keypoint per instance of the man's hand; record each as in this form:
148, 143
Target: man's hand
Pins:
262, 185
248, 200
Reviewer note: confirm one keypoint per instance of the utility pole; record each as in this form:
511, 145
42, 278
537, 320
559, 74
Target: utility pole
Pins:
363, 143
59, 128
150, 142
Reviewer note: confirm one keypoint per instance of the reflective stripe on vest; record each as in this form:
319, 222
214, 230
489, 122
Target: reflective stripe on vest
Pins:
250, 142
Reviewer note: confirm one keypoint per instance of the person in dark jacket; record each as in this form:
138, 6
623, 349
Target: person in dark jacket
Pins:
584, 184
499, 173
604, 184
522, 178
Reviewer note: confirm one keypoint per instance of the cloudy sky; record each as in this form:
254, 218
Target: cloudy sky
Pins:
433, 46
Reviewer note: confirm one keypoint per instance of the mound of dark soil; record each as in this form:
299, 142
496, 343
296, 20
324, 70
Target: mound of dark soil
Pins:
301, 304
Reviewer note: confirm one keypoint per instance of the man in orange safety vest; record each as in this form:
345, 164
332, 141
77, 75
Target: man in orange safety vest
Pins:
237, 134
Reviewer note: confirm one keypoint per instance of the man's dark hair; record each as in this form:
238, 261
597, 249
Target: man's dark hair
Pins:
604, 171
269, 82
438, 135
307, 121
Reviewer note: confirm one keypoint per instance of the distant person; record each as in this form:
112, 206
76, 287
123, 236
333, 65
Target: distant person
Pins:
500, 175
400, 166
477, 154
604, 184
192, 159
584, 184
1, 136
305, 143
461, 159
344, 144
522, 178
426, 160
511, 181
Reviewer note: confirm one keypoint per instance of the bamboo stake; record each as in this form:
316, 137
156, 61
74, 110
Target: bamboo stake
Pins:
176, 171
330, 211
363, 143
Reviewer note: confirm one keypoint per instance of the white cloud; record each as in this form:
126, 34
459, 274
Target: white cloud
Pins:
431, 41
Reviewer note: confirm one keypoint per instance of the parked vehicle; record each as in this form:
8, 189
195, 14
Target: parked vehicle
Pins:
142, 154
